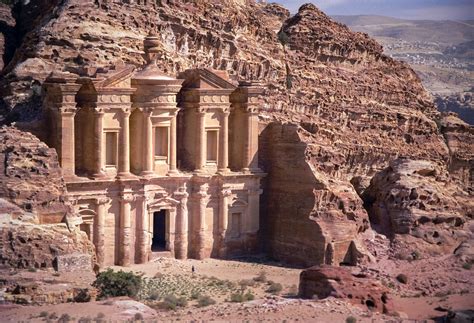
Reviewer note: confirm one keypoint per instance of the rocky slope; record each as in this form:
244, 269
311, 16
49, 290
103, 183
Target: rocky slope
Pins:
336, 110
37, 225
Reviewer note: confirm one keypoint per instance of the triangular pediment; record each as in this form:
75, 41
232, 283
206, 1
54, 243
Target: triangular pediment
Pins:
206, 79
119, 77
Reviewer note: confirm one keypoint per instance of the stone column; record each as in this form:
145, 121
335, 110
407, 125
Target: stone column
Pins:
171, 230
173, 145
143, 239
223, 220
224, 144
66, 145
124, 153
201, 142
201, 234
181, 242
99, 143
99, 235
148, 142
125, 230
251, 140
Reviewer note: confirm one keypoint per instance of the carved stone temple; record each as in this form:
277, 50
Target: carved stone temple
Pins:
155, 163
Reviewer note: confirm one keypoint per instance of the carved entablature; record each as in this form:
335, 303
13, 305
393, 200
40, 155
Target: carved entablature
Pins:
247, 97
206, 88
60, 91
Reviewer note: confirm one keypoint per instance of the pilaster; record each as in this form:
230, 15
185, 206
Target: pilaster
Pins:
181, 242
223, 220
125, 229
124, 148
99, 167
99, 236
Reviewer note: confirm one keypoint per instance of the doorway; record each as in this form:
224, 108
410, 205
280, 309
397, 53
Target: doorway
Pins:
159, 231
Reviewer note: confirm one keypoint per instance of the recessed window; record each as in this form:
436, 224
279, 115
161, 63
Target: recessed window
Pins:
161, 142
111, 152
235, 225
212, 146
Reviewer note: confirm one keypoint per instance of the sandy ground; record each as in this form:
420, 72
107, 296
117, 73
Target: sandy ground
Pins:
265, 307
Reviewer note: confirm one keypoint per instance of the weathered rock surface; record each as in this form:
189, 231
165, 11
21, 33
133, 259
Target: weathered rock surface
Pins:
24, 244
350, 109
7, 24
339, 282
30, 176
417, 199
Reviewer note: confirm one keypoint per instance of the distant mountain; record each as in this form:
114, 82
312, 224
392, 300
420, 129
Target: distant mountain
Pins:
445, 32
441, 52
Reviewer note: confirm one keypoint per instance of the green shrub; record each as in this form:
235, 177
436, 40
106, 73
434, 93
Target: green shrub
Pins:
112, 284
275, 288
43, 314
244, 283
467, 265
402, 278
32, 270
261, 278
195, 295
171, 302
283, 38
351, 319
249, 296
237, 297
204, 301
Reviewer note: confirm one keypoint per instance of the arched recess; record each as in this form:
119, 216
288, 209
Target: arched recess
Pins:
88, 216
163, 210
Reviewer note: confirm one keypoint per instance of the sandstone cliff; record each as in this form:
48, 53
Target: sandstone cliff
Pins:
37, 225
336, 110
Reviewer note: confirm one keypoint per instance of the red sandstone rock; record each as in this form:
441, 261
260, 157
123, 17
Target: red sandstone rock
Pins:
339, 282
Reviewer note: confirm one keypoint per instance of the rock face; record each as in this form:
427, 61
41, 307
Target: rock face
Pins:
7, 24
32, 206
25, 244
339, 282
414, 201
336, 112
31, 177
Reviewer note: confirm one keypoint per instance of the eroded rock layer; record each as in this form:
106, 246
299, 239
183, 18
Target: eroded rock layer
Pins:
352, 109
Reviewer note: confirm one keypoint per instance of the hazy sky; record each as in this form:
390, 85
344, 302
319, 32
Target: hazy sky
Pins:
408, 9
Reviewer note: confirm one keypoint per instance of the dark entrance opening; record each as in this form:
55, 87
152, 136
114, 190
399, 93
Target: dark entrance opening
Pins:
159, 231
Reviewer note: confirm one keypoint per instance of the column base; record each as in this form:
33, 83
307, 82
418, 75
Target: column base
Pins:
223, 171
125, 175
173, 172
148, 174
99, 175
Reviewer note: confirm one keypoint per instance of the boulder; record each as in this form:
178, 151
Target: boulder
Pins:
327, 281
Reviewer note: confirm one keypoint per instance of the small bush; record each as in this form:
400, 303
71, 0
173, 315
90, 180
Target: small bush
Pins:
351, 319
261, 278
113, 284
138, 317
154, 296
84, 320
171, 302
402, 278
467, 265
249, 296
43, 314
283, 38
195, 295
241, 297
244, 283
32, 270
275, 288
237, 297
64, 318
416, 255
204, 301
53, 316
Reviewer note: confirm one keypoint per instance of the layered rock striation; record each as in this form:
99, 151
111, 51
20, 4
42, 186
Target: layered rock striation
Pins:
336, 110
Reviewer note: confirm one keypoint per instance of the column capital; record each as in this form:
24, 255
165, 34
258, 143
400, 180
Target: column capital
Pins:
99, 111
67, 110
102, 200
127, 198
226, 192
201, 111
126, 111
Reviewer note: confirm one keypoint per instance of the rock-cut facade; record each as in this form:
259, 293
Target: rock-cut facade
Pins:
155, 163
